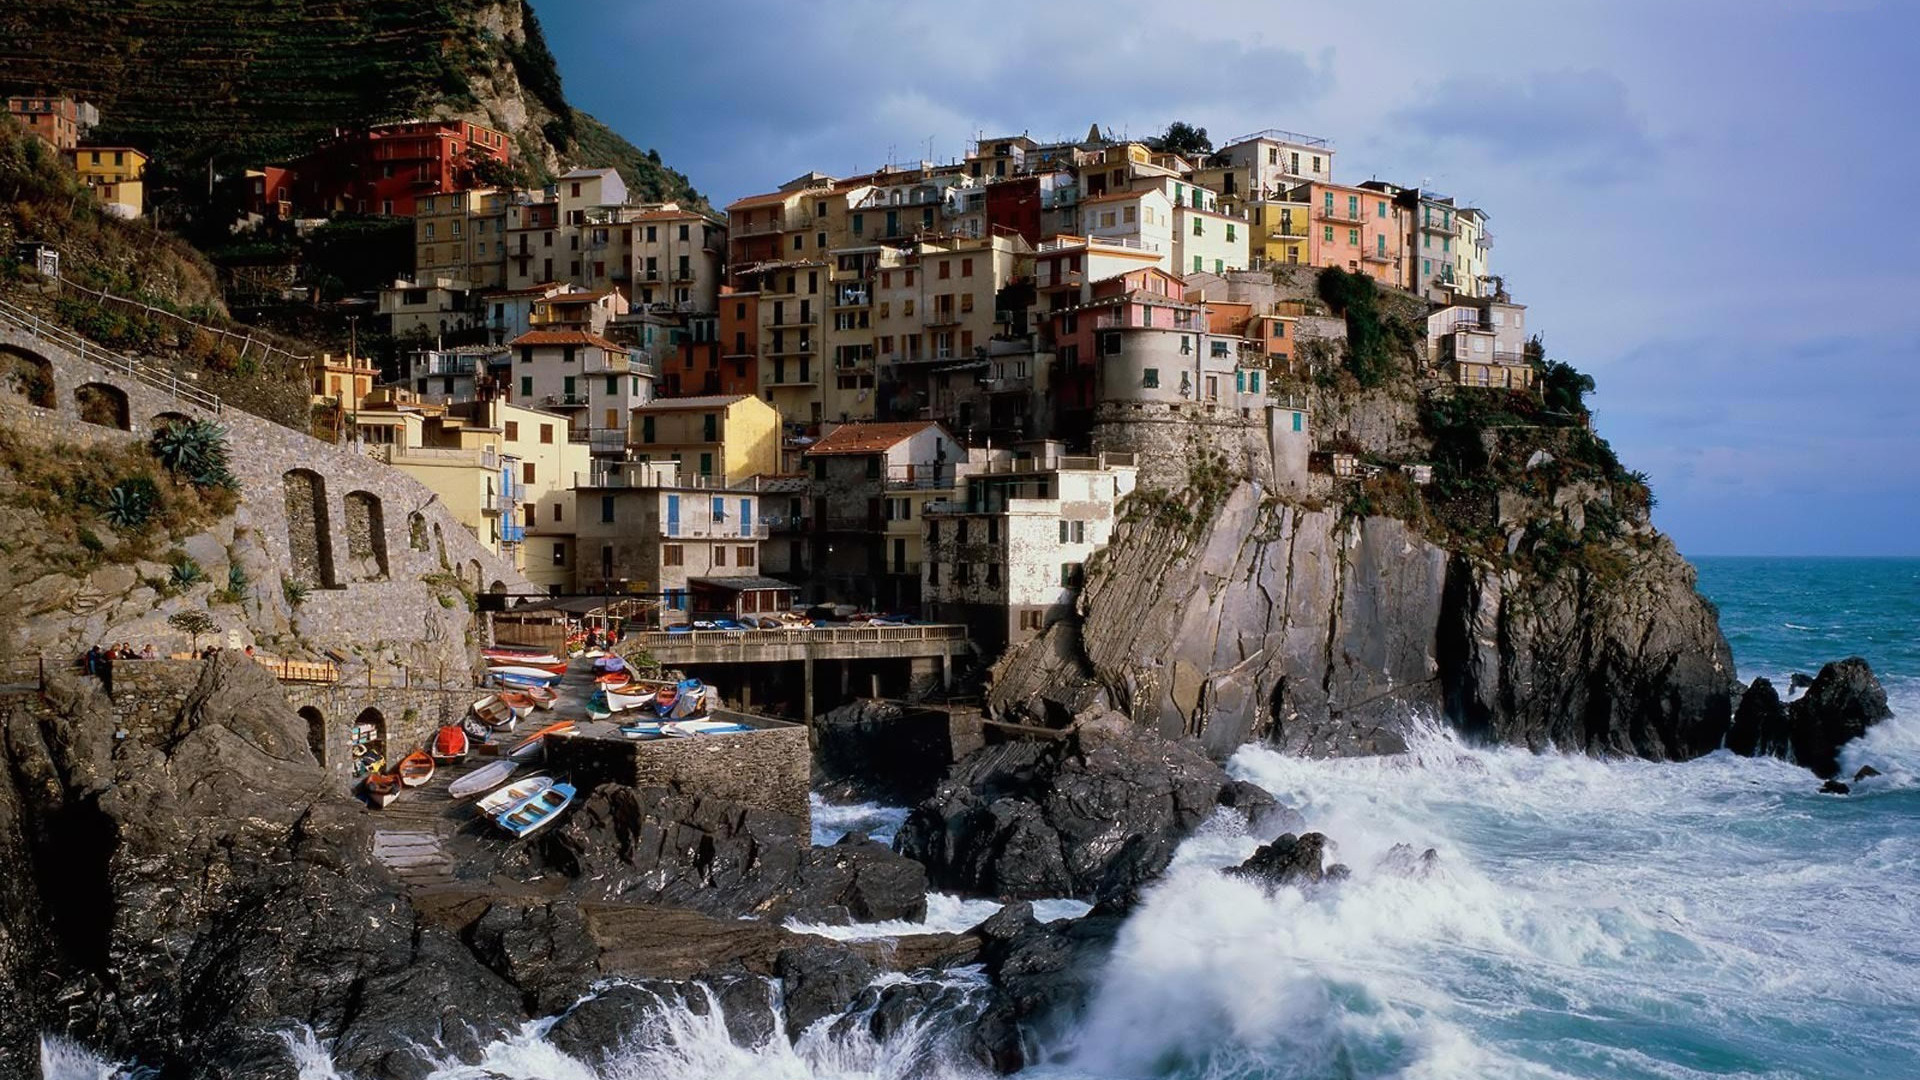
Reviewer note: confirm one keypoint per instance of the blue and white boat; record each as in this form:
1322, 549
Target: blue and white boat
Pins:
530, 816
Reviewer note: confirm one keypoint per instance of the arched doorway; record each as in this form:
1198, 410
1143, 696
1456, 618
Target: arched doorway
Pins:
316, 732
103, 405
309, 533
416, 532
366, 537
369, 741
25, 375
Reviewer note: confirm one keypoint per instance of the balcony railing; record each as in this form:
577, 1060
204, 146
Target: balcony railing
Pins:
1375, 255
793, 378
1509, 356
513, 534
718, 530
565, 401
1339, 217
788, 523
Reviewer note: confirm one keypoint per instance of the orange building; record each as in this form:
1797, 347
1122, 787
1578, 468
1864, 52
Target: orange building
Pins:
59, 120
1360, 230
739, 335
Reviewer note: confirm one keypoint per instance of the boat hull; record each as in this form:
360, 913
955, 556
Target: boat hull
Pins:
416, 768
536, 813
511, 796
482, 780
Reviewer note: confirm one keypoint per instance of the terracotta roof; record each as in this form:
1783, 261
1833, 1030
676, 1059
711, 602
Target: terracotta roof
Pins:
564, 337
867, 438
1114, 197
774, 198
711, 401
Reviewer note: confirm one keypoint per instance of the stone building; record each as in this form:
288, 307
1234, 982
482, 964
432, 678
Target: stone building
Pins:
870, 485
1006, 557
645, 529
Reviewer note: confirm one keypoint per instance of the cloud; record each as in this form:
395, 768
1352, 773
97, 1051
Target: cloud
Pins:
1579, 124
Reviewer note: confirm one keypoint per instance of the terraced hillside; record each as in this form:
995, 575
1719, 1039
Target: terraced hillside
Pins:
244, 81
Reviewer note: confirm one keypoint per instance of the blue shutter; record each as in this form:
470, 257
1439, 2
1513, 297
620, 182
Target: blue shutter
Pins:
673, 515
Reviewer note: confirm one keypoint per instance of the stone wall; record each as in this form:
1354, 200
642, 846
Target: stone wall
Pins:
770, 767
148, 694
309, 510
1165, 438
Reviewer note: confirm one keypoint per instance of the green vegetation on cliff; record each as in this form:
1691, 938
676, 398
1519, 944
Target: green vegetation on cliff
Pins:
240, 82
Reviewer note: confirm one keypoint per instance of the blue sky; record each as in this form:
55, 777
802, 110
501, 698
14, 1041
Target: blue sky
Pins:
1707, 204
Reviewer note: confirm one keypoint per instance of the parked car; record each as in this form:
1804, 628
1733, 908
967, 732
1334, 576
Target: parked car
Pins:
727, 624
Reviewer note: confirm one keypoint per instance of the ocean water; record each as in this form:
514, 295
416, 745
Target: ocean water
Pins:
1579, 918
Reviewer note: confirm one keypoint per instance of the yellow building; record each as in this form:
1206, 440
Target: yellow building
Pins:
722, 439
113, 172
1281, 232
505, 471
462, 236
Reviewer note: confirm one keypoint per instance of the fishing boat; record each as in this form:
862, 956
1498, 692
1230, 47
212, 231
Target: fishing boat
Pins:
527, 818
614, 678
543, 696
513, 795
554, 668
511, 654
495, 713
533, 743
692, 700
621, 702
520, 701
450, 745
522, 676
681, 729
610, 663
416, 768
382, 788
664, 698
642, 729
484, 778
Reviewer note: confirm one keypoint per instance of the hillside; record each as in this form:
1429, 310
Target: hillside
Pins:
238, 82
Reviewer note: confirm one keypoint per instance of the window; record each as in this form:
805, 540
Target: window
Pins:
966, 302
1229, 232
946, 270
1239, 382
1150, 378
1353, 237
1073, 532
873, 466
993, 573
1197, 265
559, 554
706, 464
557, 514
526, 472
1326, 233
513, 431
646, 429
993, 530
1213, 388
1299, 419
963, 573
1383, 210
966, 267
526, 385
933, 573
546, 433
798, 240
672, 555
1253, 382
1069, 575
1186, 345
719, 556
1127, 214
606, 509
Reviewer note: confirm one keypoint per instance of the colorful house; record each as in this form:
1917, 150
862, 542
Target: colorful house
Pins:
114, 173
720, 439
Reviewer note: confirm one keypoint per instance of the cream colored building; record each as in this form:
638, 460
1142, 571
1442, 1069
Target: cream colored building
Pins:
722, 439
462, 237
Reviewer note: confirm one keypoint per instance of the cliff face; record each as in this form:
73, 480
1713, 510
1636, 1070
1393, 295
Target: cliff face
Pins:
1329, 633
276, 78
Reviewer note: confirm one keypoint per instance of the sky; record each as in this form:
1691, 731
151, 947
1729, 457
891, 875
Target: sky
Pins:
1705, 204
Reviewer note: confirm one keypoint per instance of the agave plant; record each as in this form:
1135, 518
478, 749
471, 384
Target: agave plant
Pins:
187, 573
129, 503
196, 450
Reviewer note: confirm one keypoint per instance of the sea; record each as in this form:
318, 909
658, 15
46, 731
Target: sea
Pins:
1578, 918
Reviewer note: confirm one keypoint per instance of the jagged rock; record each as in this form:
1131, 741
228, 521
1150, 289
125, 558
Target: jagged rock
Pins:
877, 751
1043, 975
545, 950
1799, 680
819, 981
1290, 860
631, 1014
1760, 724
1402, 860
1326, 634
1865, 772
1265, 814
1092, 815
1834, 787
1842, 703
654, 845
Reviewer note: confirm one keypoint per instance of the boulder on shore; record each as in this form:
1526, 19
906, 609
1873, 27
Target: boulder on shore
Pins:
1093, 815
880, 751
1760, 726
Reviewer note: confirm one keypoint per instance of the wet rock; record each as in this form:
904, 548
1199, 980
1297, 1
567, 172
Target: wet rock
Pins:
1289, 860
1401, 859
1091, 815
1843, 701
1265, 814
819, 981
1799, 680
1865, 772
879, 751
1760, 725
656, 845
544, 949
1834, 787
1043, 975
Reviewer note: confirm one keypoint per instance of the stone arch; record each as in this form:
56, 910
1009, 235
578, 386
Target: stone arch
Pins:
103, 404
162, 421
309, 537
417, 531
370, 736
475, 576
316, 732
498, 587
28, 376
366, 537
440, 545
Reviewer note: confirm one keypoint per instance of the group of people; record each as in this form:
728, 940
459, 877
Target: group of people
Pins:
98, 659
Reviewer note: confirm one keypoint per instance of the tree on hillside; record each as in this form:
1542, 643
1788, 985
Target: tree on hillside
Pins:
1563, 388
1184, 139
193, 624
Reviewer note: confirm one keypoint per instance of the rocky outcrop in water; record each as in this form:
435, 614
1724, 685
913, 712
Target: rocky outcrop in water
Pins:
1289, 860
654, 845
1095, 814
880, 751
1843, 702
1325, 633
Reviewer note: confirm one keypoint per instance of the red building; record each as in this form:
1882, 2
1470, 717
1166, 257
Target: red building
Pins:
1013, 206
383, 169
59, 120
270, 192
739, 335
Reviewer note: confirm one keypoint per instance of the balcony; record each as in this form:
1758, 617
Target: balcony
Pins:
792, 318
685, 275
1339, 217
848, 298
606, 363
1291, 229
760, 226
1375, 255
1437, 226
513, 534
716, 530
788, 523
1510, 357
798, 348
790, 378
565, 401
942, 317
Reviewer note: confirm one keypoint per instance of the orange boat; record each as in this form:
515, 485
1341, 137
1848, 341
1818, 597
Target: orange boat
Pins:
520, 703
382, 788
613, 678
416, 768
450, 745
532, 742
553, 668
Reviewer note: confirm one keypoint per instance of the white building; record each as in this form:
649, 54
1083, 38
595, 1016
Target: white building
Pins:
1009, 555
594, 381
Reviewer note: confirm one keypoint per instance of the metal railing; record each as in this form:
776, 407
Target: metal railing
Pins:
653, 640
1339, 217
56, 334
